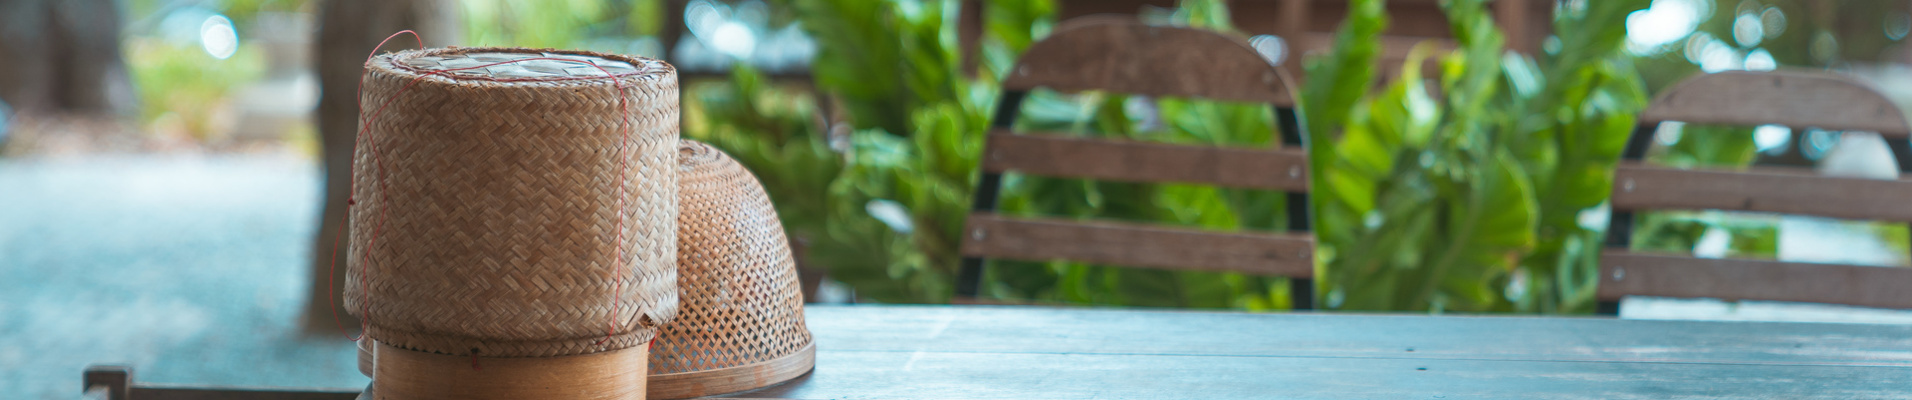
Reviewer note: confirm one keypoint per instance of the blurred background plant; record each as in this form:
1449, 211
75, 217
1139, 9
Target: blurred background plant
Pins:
190, 90
1480, 189
914, 142
199, 82
1471, 200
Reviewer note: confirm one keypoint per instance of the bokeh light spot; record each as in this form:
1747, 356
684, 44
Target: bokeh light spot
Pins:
218, 37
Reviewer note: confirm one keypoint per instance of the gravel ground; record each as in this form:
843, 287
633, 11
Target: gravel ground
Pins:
189, 269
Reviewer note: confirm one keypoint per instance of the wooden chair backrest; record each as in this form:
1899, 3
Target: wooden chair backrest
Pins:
1122, 55
1794, 99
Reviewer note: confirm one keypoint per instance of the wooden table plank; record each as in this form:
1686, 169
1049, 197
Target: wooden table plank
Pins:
947, 375
1072, 330
1036, 352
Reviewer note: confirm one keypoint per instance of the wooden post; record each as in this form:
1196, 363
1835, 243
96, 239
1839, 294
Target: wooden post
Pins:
64, 56
114, 381
1294, 31
348, 29
672, 30
969, 35
1512, 16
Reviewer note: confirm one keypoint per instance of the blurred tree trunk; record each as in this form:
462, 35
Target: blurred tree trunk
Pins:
348, 30
63, 56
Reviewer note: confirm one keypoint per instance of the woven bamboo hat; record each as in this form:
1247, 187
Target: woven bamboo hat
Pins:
740, 323
495, 191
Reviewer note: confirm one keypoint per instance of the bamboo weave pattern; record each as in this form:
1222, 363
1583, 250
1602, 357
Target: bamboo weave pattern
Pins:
741, 301
487, 200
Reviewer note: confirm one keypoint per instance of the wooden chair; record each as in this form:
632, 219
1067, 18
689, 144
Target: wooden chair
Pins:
1122, 55
1794, 99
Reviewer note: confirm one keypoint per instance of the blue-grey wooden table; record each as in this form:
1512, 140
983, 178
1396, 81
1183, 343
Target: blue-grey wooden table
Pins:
1009, 352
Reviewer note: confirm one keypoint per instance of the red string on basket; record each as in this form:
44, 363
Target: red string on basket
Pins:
378, 164
332, 265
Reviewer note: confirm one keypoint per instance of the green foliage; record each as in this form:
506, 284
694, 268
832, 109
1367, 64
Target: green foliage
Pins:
646, 18
894, 66
181, 88
1339, 80
928, 175
1205, 14
1579, 120
242, 12
1707, 146
1469, 201
540, 24
885, 59
184, 89
1015, 24
773, 132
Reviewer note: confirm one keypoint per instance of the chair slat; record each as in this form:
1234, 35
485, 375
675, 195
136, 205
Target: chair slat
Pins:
1134, 58
1128, 161
1795, 99
1642, 187
994, 236
1624, 273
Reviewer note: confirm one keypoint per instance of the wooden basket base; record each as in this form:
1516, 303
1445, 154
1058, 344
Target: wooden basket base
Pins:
365, 355
400, 374
684, 385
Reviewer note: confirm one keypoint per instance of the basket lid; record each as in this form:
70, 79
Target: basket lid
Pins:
505, 64
740, 313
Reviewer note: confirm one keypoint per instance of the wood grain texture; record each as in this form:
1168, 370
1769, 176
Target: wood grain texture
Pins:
1078, 330
365, 355
1117, 160
413, 375
733, 379
1796, 99
973, 352
977, 352
145, 392
1623, 274
892, 375
994, 236
1123, 55
1642, 187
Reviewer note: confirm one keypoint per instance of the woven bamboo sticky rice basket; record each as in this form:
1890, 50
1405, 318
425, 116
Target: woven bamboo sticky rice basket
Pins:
740, 323
489, 189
